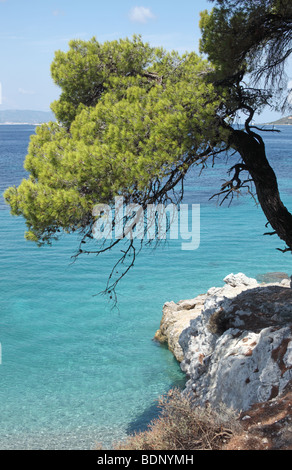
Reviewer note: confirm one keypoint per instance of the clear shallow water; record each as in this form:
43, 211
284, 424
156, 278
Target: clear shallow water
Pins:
73, 371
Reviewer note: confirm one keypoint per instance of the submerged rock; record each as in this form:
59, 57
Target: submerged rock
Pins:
272, 277
234, 342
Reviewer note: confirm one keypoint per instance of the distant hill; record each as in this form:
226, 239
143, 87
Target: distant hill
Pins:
11, 116
285, 121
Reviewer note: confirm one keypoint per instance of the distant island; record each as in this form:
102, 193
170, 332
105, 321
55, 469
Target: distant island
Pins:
14, 116
284, 121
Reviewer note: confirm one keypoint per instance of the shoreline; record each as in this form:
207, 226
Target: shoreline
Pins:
234, 343
21, 123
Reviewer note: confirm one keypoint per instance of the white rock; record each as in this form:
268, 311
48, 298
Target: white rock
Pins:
250, 360
239, 280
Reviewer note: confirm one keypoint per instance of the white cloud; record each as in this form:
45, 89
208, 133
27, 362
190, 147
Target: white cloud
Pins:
141, 14
25, 92
58, 13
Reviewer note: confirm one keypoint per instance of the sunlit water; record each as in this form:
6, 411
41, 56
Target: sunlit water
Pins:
75, 372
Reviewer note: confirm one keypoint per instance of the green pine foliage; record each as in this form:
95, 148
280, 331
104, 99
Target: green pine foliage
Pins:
128, 116
248, 36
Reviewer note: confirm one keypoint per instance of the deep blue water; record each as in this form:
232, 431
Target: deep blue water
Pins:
75, 372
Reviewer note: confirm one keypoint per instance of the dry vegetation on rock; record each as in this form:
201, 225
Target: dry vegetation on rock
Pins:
182, 426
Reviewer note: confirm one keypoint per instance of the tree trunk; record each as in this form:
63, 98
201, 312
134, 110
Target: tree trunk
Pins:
252, 150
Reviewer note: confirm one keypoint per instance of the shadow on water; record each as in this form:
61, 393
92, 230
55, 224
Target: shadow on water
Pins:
142, 421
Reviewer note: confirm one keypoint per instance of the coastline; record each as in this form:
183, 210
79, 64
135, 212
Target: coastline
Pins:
21, 123
234, 343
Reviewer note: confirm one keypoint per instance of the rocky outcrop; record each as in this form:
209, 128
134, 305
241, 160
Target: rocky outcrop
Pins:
175, 319
265, 426
234, 342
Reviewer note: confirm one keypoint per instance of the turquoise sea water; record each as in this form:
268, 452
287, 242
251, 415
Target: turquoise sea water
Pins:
75, 372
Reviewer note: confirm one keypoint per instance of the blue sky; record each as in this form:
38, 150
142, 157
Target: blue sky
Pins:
32, 30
